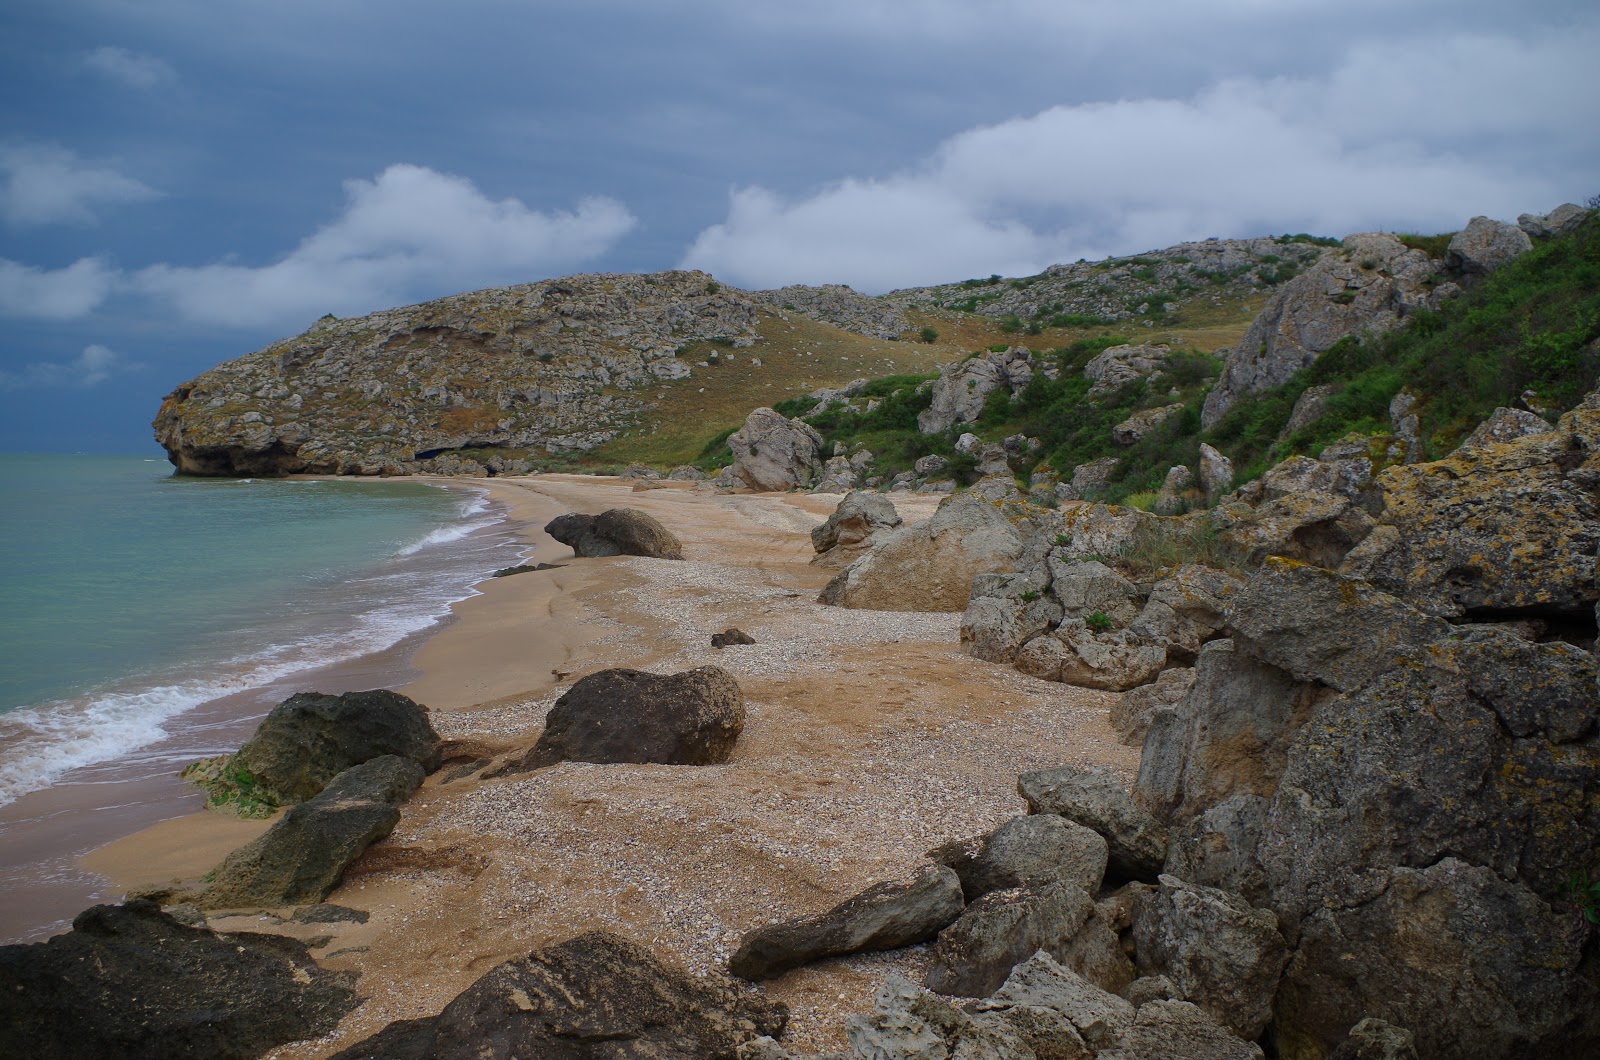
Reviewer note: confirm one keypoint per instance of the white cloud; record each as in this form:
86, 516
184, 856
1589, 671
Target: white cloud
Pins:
134, 69
54, 294
46, 183
1371, 145
411, 232
92, 367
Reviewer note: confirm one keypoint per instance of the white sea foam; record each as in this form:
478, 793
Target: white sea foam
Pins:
40, 744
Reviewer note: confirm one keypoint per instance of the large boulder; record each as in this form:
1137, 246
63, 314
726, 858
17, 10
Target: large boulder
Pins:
1095, 798
1076, 654
617, 532
930, 566
1025, 852
1130, 714
1563, 219
773, 453
1371, 284
1002, 929
593, 997
129, 981
1508, 529
860, 520
885, 916
1485, 245
1223, 954
302, 857
1115, 367
1004, 612
691, 718
310, 738
1143, 423
963, 387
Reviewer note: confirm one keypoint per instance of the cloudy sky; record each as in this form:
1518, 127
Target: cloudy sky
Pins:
183, 181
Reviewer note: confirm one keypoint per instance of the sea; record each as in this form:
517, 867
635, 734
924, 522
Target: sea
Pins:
132, 601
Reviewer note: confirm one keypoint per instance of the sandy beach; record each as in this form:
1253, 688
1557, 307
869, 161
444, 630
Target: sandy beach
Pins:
870, 739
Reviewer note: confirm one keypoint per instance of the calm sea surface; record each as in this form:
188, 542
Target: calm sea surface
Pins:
128, 596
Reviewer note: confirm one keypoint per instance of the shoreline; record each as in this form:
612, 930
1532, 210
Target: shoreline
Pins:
870, 738
53, 834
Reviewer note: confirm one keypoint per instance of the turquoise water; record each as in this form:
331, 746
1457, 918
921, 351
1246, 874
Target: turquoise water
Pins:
128, 596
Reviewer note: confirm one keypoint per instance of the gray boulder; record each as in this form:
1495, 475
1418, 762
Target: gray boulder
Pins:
1223, 954
302, 857
885, 916
1485, 245
310, 738
860, 520
1077, 655
1185, 609
1024, 852
1095, 798
962, 387
1218, 848
128, 981
1216, 473
1141, 424
1506, 425
930, 566
772, 453
1114, 368
617, 532
1058, 1012
910, 1023
1084, 587
1171, 1029
1374, 1039
691, 718
1563, 219
591, 997
1002, 929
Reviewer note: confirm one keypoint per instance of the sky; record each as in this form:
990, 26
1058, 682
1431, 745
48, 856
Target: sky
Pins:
184, 181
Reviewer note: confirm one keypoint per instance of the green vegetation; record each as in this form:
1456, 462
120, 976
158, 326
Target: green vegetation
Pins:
230, 788
1099, 622
930, 335
1433, 246
1530, 326
1585, 895
1158, 545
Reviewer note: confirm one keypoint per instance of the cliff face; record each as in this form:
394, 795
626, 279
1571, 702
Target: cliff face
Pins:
544, 365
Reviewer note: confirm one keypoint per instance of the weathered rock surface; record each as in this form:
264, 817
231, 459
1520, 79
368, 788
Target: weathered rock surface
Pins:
883, 917
1026, 852
841, 306
1130, 715
861, 520
1177, 1028
1116, 367
1563, 219
1076, 655
691, 718
1095, 798
730, 637
1217, 848
1374, 1039
1506, 425
1370, 284
1000, 930
302, 857
1004, 612
593, 997
1143, 423
535, 366
1485, 245
1216, 472
772, 453
615, 532
1223, 954
930, 566
129, 981
1510, 529
963, 386
310, 738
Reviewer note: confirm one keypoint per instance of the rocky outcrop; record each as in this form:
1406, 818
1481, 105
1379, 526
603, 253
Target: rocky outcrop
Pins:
129, 981
310, 738
692, 718
930, 566
962, 388
859, 522
1558, 222
1002, 929
772, 453
1371, 284
592, 997
1485, 245
616, 532
840, 306
1095, 798
885, 916
1138, 426
1114, 368
302, 857
1408, 798
1509, 529
1505, 425
543, 366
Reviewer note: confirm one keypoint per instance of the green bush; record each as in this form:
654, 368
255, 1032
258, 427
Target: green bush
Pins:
929, 335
